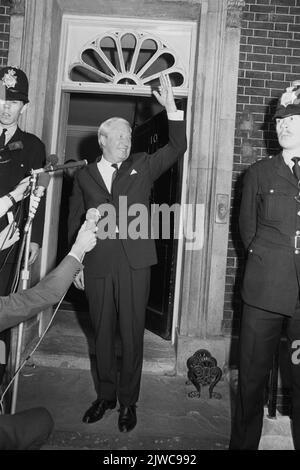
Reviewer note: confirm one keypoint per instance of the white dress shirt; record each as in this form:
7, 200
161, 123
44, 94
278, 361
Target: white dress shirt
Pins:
106, 171
10, 130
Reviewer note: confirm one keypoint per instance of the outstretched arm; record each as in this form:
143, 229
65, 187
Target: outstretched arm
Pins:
166, 156
18, 307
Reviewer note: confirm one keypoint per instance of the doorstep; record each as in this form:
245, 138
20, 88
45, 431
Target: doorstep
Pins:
67, 345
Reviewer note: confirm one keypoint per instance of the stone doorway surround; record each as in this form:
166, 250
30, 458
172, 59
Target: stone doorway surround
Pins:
211, 140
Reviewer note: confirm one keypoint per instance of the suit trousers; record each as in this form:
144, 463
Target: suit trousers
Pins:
259, 337
118, 299
26, 430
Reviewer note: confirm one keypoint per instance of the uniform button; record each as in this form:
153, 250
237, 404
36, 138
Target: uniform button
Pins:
297, 252
22, 165
297, 232
271, 190
298, 213
250, 251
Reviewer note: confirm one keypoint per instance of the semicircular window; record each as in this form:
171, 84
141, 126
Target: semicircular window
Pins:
127, 58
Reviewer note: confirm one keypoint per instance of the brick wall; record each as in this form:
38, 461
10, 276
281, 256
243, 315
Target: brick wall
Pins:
4, 31
269, 61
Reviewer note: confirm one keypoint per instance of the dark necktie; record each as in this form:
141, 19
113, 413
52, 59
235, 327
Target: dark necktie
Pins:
296, 168
2, 139
114, 175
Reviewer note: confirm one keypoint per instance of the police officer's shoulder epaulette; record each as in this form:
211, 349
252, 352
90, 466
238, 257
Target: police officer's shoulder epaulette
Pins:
263, 160
259, 162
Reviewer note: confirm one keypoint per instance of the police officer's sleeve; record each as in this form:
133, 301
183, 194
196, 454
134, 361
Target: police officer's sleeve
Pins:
248, 208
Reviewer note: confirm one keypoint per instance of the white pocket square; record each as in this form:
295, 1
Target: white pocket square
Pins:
133, 172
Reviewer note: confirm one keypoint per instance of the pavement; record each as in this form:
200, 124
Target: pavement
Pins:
167, 418
170, 415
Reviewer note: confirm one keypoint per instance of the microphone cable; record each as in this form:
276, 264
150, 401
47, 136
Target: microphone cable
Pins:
2, 410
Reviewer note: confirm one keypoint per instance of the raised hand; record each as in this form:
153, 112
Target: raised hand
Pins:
165, 97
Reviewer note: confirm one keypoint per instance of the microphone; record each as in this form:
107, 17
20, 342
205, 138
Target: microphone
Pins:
92, 216
13, 146
42, 184
69, 165
50, 161
50, 168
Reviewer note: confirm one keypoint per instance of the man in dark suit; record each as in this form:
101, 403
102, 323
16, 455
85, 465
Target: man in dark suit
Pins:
29, 429
117, 274
19, 153
270, 230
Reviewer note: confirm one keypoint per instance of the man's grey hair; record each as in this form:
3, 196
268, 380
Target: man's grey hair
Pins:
106, 125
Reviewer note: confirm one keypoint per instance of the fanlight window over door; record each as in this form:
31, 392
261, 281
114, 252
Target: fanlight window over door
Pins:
127, 57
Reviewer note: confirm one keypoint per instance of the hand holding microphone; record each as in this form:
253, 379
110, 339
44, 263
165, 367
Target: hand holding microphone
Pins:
35, 197
20, 191
86, 238
85, 241
92, 217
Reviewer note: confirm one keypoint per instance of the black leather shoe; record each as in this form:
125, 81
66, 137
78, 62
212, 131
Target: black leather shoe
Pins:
127, 418
97, 410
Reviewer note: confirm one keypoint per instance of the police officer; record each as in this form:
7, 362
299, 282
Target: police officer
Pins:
19, 153
270, 230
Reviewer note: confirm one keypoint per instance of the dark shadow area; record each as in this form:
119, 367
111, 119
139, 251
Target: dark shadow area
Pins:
269, 129
89, 148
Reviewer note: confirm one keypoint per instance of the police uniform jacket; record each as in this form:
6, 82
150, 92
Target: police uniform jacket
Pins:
270, 228
14, 166
134, 181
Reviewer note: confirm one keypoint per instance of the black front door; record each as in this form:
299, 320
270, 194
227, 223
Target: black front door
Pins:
148, 137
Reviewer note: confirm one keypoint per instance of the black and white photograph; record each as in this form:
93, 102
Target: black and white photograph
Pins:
150, 229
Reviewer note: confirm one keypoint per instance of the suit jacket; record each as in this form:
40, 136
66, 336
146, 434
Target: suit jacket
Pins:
269, 220
14, 166
16, 308
134, 180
